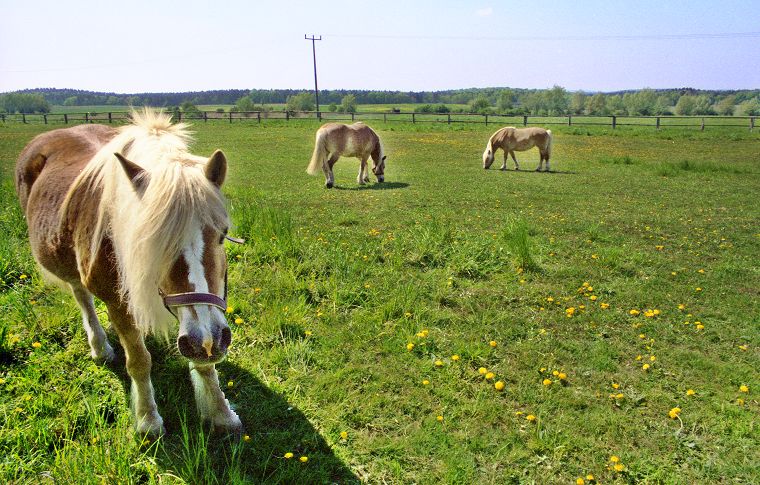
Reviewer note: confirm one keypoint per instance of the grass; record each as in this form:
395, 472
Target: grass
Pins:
332, 286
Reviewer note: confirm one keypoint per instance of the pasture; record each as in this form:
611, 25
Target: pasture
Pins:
602, 297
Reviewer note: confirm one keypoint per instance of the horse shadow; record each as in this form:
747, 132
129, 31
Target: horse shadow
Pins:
273, 427
377, 186
558, 172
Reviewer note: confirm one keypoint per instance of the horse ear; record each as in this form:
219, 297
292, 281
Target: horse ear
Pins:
135, 173
216, 168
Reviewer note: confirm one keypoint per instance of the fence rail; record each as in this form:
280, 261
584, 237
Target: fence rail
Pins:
613, 121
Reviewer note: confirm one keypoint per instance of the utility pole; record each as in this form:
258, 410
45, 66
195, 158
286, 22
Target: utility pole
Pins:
314, 53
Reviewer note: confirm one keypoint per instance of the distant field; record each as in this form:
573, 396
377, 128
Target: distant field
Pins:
641, 250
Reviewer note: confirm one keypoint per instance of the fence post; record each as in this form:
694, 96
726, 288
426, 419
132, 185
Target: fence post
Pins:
65, 118
569, 120
413, 120
486, 120
751, 123
614, 121
44, 117
658, 122
205, 117
258, 116
702, 127
287, 115
385, 119
449, 120
109, 117
525, 120
87, 117
230, 116
352, 117
23, 117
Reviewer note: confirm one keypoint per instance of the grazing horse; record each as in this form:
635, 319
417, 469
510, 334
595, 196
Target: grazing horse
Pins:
357, 140
511, 140
130, 216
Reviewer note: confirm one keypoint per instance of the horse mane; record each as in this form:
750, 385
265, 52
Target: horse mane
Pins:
148, 230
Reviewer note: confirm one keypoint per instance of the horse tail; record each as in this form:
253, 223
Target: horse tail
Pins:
319, 155
549, 144
28, 169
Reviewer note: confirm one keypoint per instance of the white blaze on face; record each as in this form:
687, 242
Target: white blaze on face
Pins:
196, 276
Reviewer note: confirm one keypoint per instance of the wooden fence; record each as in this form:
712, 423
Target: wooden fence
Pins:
657, 122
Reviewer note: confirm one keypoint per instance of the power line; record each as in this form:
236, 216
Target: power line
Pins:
699, 36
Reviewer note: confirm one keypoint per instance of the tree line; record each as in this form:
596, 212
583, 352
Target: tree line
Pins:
512, 101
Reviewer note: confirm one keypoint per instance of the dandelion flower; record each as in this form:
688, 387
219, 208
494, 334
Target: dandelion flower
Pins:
739, 401
246, 438
592, 297
490, 376
492, 343
700, 326
673, 413
238, 320
343, 435
645, 367
288, 455
409, 346
547, 382
562, 376
36, 345
425, 382
743, 347
604, 306
618, 467
743, 388
455, 357
439, 418
438, 363
615, 385
652, 358
590, 477
555, 373
634, 312
499, 385
690, 392
230, 384
229, 309
698, 289
304, 459
530, 418
681, 306
638, 357
580, 481
482, 370
619, 395
614, 459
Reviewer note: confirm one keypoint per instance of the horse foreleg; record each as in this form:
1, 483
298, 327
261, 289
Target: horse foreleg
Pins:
546, 157
147, 419
517, 165
504, 164
100, 350
360, 179
212, 405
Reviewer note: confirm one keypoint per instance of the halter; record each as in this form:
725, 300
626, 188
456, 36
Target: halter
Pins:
198, 298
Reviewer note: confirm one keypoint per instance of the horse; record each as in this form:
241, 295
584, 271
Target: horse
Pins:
511, 139
130, 216
358, 140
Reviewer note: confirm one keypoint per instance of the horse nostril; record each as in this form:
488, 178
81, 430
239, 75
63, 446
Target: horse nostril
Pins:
184, 345
226, 339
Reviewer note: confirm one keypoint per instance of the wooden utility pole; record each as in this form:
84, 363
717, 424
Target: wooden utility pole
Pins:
314, 54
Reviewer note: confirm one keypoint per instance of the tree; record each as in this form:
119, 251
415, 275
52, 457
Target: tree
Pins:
750, 107
726, 106
685, 105
578, 103
348, 104
189, 110
556, 100
597, 105
641, 102
702, 106
300, 102
506, 100
332, 108
615, 105
480, 104
662, 105
24, 103
245, 104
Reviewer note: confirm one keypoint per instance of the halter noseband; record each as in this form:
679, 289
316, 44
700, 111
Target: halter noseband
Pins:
197, 298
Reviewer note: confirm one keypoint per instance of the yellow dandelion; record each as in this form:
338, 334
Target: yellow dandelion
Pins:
230, 384
690, 392
638, 357
594, 256
743, 388
410, 346
656, 312
238, 320
246, 438
455, 357
681, 306
257, 290
304, 459
590, 477
589, 289
645, 367
36, 345
618, 467
499, 385
673, 413
698, 289
490, 376
547, 382
619, 395
492, 343
407, 314
439, 418
530, 418
652, 358
229, 309
438, 363
550, 299
22, 276
343, 435
743, 347
615, 385
739, 401
562, 376
700, 326
482, 370
592, 297
555, 373
580, 481
614, 459
633, 312
425, 382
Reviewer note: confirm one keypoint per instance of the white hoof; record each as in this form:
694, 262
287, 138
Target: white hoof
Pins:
104, 355
151, 425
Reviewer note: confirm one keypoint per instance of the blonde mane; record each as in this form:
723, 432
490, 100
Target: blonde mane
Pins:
149, 230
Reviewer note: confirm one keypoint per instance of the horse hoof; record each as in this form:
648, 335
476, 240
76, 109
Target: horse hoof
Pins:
328, 185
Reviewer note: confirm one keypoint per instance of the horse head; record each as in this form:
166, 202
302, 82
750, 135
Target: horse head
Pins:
193, 285
488, 156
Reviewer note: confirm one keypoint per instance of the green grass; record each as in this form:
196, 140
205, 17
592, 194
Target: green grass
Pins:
333, 284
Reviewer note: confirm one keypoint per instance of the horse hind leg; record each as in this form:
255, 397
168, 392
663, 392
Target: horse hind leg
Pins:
327, 168
517, 165
363, 176
100, 350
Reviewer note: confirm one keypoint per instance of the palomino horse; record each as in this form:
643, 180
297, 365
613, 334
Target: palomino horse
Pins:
511, 140
357, 140
130, 216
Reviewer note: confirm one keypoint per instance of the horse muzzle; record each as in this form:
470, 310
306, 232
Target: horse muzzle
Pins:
204, 345
381, 178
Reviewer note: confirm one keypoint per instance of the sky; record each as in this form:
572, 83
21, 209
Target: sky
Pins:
141, 46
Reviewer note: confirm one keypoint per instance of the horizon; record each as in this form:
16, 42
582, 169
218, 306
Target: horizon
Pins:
588, 46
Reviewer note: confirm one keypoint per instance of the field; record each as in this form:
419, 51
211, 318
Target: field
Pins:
602, 296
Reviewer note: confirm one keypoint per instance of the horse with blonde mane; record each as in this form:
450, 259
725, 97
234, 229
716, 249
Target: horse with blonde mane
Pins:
511, 139
130, 216
358, 140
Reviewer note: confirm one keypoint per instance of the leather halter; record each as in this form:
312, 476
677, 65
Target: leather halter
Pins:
198, 298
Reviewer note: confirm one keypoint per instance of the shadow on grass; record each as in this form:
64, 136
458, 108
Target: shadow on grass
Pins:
190, 451
377, 186
558, 172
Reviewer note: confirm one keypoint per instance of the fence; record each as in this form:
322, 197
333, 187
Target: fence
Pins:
613, 121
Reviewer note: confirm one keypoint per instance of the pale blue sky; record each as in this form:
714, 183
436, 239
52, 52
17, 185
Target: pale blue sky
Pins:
160, 46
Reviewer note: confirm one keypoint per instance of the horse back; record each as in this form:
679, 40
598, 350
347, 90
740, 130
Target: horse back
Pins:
524, 138
355, 140
45, 170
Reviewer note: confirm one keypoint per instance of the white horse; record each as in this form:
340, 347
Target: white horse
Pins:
511, 139
357, 140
